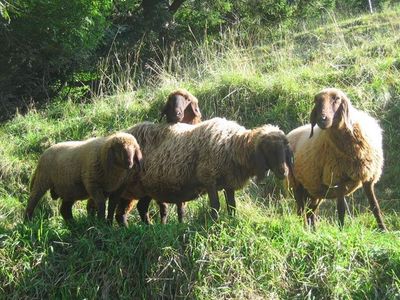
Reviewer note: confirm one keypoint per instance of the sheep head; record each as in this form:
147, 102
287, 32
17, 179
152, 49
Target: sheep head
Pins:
273, 153
182, 107
124, 151
331, 110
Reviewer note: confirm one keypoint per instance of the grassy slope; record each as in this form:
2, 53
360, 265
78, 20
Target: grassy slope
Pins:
263, 253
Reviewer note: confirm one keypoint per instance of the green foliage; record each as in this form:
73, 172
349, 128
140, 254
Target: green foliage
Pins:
46, 41
46, 44
4, 16
363, 5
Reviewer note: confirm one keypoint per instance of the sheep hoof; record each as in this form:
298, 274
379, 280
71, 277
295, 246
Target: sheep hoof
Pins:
28, 217
214, 215
382, 228
121, 220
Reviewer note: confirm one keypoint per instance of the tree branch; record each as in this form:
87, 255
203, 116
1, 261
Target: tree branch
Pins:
175, 6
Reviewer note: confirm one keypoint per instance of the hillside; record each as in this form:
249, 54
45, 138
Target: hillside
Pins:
265, 252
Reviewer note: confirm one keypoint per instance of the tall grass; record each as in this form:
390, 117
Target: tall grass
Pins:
264, 252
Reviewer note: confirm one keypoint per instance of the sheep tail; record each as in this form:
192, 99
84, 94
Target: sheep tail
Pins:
33, 179
36, 192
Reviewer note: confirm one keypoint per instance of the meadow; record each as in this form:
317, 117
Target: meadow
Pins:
265, 252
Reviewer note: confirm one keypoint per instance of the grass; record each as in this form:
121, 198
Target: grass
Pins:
263, 253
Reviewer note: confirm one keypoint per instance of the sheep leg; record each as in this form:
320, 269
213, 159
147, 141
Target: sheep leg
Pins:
180, 209
32, 202
214, 203
66, 210
100, 201
300, 197
311, 212
341, 208
163, 212
121, 214
373, 202
113, 201
91, 207
230, 201
143, 208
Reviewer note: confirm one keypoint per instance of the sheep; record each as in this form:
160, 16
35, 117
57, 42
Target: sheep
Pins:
76, 170
178, 110
182, 161
336, 158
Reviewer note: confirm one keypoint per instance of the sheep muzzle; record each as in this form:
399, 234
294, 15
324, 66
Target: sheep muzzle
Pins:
324, 122
282, 171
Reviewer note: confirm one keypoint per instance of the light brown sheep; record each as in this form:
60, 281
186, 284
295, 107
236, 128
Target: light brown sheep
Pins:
182, 161
76, 170
336, 158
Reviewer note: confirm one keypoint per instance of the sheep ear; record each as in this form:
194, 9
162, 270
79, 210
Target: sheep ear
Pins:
139, 159
163, 112
313, 120
110, 157
196, 109
289, 157
345, 114
260, 164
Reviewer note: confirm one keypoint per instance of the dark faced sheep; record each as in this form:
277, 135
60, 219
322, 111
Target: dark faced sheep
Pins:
76, 170
342, 154
181, 107
183, 161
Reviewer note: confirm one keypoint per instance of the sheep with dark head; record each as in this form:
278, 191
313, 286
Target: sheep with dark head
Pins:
76, 170
182, 161
181, 107
336, 158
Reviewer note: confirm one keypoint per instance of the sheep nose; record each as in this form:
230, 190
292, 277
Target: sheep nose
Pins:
323, 120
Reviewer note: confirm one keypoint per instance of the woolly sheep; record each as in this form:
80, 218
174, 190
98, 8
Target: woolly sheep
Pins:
336, 158
76, 170
181, 107
182, 161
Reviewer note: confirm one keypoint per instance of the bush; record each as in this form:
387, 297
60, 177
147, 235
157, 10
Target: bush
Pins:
44, 42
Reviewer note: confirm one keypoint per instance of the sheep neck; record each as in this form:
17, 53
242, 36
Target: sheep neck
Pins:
346, 142
108, 169
244, 151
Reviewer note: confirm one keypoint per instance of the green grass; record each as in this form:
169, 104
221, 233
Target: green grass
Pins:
263, 253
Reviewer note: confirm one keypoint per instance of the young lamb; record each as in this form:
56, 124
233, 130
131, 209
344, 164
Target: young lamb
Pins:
182, 161
75, 170
339, 156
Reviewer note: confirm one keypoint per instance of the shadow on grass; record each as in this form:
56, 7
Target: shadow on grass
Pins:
90, 259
